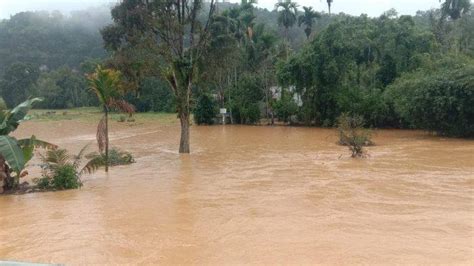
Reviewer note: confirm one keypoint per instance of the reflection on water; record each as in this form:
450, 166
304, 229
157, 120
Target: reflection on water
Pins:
256, 195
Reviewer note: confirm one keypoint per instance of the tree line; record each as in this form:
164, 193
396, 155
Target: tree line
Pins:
292, 64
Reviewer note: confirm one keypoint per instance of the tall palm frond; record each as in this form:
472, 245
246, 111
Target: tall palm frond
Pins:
287, 13
121, 105
308, 18
92, 165
78, 158
56, 157
105, 83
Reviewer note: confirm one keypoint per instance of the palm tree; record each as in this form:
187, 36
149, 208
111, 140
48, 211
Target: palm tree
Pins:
287, 14
106, 84
238, 20
329, 5
308, 19
455, 8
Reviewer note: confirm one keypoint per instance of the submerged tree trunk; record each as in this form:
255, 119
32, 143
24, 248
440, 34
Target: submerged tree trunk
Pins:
184, 141
106, 140
181, 82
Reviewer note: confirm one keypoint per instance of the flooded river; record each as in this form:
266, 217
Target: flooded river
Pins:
251, 195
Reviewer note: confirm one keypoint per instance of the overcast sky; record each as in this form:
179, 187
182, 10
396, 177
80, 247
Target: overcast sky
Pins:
354, 7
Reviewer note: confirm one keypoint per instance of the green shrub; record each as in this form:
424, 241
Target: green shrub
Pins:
65, 177
205, 110
246, 96
441, 101
116, 157
285, 107
43, 183
369, 103
62, 171
62, 177
353, 134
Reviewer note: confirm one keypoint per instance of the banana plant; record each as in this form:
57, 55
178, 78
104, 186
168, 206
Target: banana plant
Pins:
14, 153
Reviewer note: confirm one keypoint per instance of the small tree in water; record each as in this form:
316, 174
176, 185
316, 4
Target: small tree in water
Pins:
105, 83
353, 134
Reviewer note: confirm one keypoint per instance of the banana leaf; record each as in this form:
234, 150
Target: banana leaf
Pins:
12, 152
13, 117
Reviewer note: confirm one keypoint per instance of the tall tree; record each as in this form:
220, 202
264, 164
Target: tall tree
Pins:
308, 18
287, 12
175, 31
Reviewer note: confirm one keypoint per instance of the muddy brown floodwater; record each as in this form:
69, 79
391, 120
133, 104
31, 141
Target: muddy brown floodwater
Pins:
251, 195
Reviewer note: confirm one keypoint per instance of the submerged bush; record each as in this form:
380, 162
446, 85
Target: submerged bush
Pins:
60, 177
353, 134
116, 157
65, 177
62, 171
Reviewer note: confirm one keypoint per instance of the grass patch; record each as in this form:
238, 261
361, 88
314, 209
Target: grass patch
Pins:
93, 114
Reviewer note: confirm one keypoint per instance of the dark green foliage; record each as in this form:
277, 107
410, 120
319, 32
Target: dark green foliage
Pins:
64, 88
18, 83
368, 103
285, 107
154, 96
63, 177
441, 101
43, 183
348, 65
205, 110
246, 97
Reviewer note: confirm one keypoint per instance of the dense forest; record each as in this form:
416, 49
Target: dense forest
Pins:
292, 64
